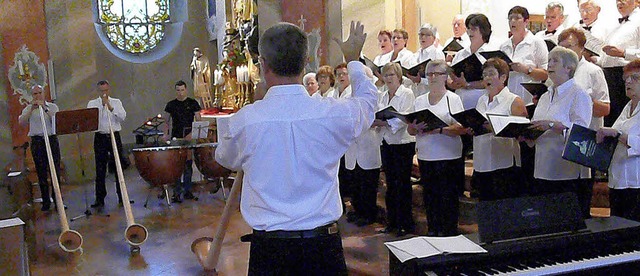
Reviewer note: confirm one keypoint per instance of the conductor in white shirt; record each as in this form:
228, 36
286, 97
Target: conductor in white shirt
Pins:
289, 146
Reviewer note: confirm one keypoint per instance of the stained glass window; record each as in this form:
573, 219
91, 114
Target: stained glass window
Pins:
135, 26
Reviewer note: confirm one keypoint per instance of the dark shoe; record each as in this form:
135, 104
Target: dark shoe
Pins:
190, 196
351, 216
45, 207
97, 205
176, 199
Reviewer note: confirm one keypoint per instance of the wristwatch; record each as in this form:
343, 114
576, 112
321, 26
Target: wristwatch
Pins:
551, 124
529, 70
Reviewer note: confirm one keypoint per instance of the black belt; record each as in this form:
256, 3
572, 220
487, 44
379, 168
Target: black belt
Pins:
322, 231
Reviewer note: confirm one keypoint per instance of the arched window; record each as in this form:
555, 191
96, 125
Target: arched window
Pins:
134, 26
139, 30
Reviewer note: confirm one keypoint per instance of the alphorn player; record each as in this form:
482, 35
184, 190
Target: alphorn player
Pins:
289, 146
30, 114
102, 138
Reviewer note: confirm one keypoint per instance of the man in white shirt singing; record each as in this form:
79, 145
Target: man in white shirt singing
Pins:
289, 147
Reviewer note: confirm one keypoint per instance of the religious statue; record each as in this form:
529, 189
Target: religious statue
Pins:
201, 75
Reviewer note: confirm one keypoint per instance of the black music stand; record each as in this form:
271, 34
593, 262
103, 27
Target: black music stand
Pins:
76, 122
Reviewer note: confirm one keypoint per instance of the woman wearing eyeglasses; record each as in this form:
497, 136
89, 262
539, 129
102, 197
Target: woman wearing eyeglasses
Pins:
496, 160
624, 171
396, 151
440, 152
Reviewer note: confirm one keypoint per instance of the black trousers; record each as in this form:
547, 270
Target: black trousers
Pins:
344, 183
365, 190
39, 153
498, 184
625, 203
104, 155
397, 161
617, 93
297, 256
528, 158
440, 180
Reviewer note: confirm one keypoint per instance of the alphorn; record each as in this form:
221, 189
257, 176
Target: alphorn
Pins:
207, 249
135, 234
69, 240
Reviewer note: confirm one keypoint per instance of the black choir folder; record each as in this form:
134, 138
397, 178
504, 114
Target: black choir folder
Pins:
431, 120
387, 113
423, 247
535, 88
470, 66
497, 54
418, 69
550, 44
528, 216
581, 148
513, 126
473, 119
369, 63
452, 48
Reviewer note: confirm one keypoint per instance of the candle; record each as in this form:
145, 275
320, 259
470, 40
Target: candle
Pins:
238, 73
20, 69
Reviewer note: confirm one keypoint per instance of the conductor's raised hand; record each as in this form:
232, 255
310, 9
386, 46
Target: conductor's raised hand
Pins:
352, 47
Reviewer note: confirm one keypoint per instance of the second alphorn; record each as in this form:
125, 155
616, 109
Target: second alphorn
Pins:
69, 240
207, 249
135, 234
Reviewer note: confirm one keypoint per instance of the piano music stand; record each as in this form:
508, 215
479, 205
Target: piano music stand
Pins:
76, 122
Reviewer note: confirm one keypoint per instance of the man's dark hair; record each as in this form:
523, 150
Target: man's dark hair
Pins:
482, 22
521, 11
102, 82
180, 83
283, 48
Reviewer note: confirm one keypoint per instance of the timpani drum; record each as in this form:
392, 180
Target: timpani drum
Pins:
205, 157
161, 165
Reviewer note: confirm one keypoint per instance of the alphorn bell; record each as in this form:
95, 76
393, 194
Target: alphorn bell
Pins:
135, 234
69, 240
207, 249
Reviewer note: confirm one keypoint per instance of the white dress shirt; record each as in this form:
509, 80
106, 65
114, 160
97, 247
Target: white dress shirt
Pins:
289, 146
600, 28
568, 104
624, 171
396, 133
627, 37
331, 93
117, 115
591, 78
470, 96
383, 59
35, 124
436, 147
531, 51
430, 53
492, 153
365, 151
405, 57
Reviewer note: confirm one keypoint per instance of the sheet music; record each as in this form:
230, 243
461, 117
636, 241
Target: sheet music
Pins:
422, 247
199, 129
499, 122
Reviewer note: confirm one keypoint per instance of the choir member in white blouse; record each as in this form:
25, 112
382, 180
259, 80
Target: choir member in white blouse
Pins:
400, 52
310, 83
479, 31
429, 50
397, 151
624, 171
564, 105
326, 81
440, 152
496, 159
528, 53
386, 48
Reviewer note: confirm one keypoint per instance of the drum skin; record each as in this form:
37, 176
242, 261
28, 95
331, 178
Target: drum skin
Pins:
206, 162
160, 165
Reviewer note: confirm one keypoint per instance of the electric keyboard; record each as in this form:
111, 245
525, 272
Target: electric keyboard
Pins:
608, 245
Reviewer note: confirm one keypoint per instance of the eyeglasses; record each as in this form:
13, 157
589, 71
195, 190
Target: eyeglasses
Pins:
389, 75
490, 75
586, 10
433, 74
340, 74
